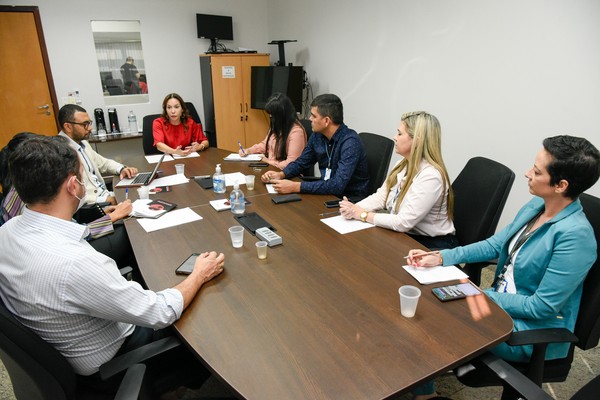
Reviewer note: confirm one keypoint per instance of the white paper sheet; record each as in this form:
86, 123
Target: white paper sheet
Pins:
169, 180
343, 225
249, 157
154, 158
220, 205
270, 188
193, 154
170, 219
234, 177
435, 274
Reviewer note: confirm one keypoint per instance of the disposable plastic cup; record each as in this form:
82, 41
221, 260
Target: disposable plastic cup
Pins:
409, 298
143, 192
237, 236
250, 182
180, 168
261, 250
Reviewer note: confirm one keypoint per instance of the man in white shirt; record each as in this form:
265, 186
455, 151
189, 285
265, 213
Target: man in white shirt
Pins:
76, 126
57, 285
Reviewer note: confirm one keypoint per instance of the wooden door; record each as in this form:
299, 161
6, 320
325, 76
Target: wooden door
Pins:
27, 100
227, 95
257, 121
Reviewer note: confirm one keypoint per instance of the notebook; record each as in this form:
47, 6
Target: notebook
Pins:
141, 179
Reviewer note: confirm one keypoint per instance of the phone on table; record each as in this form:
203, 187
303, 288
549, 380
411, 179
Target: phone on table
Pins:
187, 266
332, 203
454, 292
258, 164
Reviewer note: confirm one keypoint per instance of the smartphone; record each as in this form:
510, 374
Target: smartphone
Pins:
187, 266
258, 164
332, 203
458, 291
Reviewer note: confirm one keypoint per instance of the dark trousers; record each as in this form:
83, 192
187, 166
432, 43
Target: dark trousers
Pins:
436, 242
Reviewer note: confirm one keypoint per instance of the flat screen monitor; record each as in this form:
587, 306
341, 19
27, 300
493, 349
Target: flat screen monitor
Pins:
268, 80
214, 27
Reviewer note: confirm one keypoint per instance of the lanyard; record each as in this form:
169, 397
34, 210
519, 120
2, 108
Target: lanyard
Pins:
525, 234
329, 155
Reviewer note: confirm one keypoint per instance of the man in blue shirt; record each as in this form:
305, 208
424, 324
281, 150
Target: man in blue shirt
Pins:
338, 150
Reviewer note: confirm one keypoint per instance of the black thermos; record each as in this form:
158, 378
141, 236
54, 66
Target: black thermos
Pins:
113, 120
99, 117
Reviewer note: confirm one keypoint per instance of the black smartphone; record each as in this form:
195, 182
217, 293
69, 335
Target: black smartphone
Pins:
454, 292
258, 164
187, 266
285, 198
332, 203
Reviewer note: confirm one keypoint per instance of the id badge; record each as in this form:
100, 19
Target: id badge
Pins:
327, 174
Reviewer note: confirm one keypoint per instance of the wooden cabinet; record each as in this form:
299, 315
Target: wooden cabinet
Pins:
226, 96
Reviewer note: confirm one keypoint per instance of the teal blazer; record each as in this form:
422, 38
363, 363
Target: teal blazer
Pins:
549, 269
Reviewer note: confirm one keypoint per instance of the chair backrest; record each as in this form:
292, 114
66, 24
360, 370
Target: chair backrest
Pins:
36, 369
148, 138
193, 112
308, 128
587, 327
379, 153
480, 193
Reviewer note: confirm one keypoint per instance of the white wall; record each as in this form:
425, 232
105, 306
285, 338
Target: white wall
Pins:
500, 75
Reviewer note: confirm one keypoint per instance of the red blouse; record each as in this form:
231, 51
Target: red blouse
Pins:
175, 135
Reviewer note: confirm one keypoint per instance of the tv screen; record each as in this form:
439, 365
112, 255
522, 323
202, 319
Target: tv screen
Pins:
268, 80
214, 27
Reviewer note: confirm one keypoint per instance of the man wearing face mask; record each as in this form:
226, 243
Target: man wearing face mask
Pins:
76, 126
55, 283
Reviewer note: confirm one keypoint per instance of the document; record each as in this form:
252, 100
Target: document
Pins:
234, 177
249, 157
343, 225
426, 276
169, 180
154, 158
170, 219
191, 155
270, 188
150, 208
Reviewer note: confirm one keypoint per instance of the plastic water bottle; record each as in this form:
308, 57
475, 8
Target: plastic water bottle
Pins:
133, 127
236, 198
101, 132
218, 180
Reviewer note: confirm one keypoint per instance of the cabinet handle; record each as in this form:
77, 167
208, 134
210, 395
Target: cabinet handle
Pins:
241, 109
246, 108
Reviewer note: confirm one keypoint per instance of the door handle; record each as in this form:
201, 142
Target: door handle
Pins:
45, 107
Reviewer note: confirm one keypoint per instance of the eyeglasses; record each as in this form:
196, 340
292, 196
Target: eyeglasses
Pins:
85, 124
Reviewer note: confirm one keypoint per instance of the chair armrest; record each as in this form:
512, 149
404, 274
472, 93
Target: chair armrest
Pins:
126, 272
131, 384
124, 361
512, 377
542, 336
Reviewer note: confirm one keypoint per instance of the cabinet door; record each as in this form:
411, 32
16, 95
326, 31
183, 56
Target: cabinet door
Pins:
257, 121
228, 99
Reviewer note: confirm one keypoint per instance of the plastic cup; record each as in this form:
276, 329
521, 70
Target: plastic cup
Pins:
409, 298
261, 250
143, 193
250, 182
237, 236
179, 168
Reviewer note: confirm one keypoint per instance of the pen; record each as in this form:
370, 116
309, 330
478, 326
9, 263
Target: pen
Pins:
329, 213
241, 148
126, 193
425, 254
201, 177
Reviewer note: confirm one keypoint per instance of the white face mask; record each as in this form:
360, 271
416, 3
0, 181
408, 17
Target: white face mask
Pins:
82, 199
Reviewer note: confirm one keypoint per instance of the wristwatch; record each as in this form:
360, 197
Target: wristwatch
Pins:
363, 216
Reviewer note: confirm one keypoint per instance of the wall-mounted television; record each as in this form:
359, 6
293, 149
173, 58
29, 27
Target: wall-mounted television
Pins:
268, 80
215, 28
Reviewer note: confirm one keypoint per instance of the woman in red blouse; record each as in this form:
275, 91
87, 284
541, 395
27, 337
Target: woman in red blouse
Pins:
175, 132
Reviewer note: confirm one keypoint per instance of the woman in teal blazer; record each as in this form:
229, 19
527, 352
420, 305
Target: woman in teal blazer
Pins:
544, 255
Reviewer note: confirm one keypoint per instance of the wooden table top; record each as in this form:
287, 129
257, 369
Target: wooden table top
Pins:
320, 317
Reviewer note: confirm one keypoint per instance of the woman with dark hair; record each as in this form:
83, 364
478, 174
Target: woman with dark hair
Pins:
545, 254
286, 138
175, 132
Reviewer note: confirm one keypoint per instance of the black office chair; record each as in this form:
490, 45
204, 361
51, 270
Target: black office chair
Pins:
148, 138
308, 128
39, 372
193, 113
379, 153
586, 333
480, 193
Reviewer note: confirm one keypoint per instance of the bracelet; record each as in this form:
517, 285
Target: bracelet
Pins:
441, 258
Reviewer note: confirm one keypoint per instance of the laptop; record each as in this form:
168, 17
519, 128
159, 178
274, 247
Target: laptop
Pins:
141, 179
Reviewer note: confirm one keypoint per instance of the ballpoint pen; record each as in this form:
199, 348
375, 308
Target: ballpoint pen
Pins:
126, 193
241, 148
425, 254
329, 213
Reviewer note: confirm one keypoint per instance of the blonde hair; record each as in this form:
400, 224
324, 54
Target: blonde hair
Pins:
426, 133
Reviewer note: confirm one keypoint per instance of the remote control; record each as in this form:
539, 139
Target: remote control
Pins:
268, 236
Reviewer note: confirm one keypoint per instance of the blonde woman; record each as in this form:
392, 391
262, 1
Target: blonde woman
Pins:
416, 198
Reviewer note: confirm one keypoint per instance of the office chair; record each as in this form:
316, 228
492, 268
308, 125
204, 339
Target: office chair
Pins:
147, 137
480, 193
310, 171
194, 114
39, 372
586, 333
379, 153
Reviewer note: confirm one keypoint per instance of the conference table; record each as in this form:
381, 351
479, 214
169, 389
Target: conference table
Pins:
320, 317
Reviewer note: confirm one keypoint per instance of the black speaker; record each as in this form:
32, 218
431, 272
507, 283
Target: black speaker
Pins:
113, 120
99, 117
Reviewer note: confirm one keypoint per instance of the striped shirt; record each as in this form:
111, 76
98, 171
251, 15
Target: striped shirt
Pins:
73, 297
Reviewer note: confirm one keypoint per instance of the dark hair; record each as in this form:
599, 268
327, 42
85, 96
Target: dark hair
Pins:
575, 160
329, 105
40, 165
185, 114
283, 117
10, 147
66, 113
